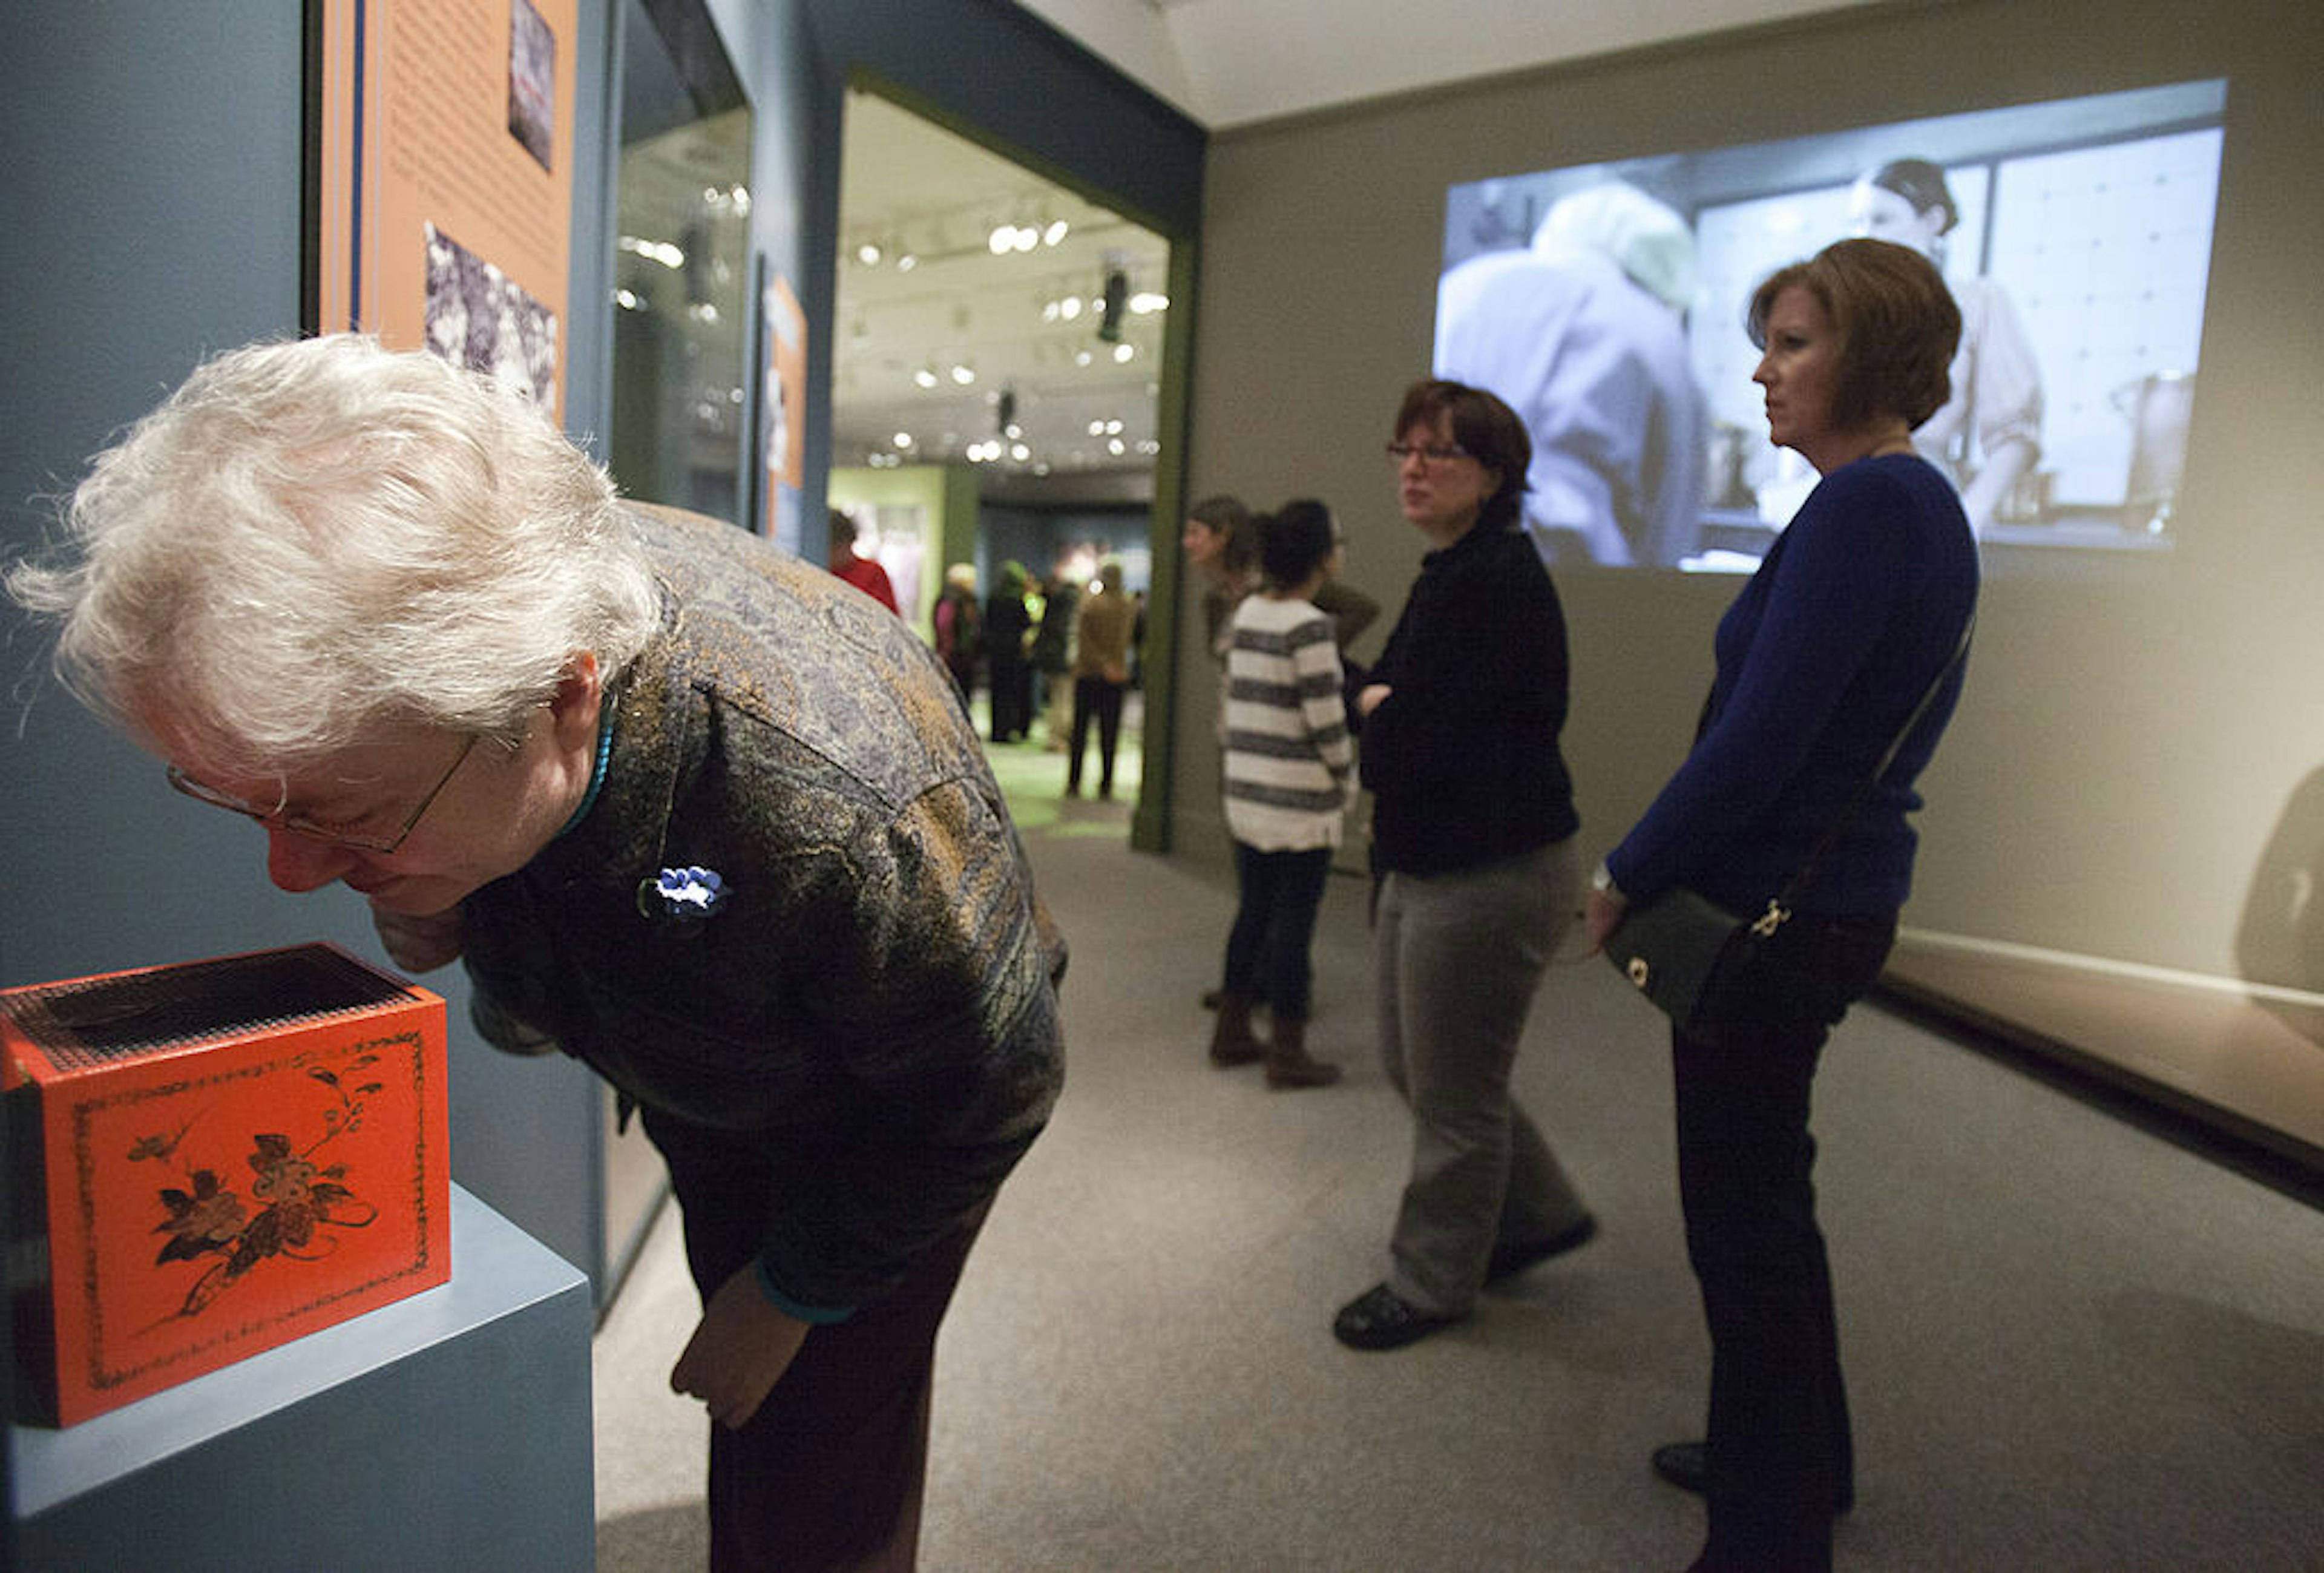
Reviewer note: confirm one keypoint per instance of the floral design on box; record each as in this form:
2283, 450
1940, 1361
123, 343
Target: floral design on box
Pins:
293, 1204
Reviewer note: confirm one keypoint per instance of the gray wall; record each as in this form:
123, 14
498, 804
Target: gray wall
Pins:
2125, 776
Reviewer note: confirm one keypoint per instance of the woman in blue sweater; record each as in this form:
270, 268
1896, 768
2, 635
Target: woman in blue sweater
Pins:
1856, 609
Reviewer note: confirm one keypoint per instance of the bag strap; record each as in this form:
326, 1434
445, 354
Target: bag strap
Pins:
1779, 906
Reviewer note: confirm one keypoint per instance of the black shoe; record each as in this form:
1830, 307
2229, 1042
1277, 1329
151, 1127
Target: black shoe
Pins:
1687, 1466
1513, 1257
1379, 1318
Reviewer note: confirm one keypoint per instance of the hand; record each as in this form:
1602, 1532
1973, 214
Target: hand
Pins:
1601, 916
1372, 697
739, 1351
420, 944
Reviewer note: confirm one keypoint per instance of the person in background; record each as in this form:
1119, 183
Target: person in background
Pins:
1351, 612
1102, 629
1856, 615
1053, 654
1988, 434
1290, 778
1219, 546
1473, 838
959, 626
863, 573
1583, 335
1008, 629
602, 755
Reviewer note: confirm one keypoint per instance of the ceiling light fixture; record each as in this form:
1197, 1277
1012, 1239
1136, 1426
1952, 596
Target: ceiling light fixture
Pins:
660, 251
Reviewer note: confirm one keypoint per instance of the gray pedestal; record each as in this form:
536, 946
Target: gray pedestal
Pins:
448, 1430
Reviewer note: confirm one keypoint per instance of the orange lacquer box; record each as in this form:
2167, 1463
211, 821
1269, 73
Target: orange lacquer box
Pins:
211, 1159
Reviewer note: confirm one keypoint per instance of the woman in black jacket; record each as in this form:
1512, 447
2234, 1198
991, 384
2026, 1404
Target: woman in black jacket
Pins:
1472, 825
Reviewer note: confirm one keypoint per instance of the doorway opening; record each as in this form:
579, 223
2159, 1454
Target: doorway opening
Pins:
996, 386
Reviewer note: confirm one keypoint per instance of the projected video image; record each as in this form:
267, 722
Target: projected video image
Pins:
1605, 303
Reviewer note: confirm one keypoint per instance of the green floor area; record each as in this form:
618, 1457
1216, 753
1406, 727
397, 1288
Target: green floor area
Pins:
1033, 779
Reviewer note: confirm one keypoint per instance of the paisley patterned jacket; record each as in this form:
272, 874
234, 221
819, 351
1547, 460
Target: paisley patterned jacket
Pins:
871, 1006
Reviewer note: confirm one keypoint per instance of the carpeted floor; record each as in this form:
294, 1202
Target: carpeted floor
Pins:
2071, 1344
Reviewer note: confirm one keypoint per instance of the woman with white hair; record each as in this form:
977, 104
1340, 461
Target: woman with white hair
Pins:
685, 808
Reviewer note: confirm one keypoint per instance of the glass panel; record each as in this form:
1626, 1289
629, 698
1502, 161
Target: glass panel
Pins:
681, 296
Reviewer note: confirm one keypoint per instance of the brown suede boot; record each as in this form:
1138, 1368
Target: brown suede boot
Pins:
1287, 1061
1232, 1043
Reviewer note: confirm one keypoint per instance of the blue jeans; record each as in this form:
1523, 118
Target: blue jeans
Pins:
1273, 932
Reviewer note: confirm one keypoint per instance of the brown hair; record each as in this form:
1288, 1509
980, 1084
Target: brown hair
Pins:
1224, 515
1896, 322
1486, 428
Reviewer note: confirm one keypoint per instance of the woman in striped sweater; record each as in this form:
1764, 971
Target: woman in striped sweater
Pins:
1290, 778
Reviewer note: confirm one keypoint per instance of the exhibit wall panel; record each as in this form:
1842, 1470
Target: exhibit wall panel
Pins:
2133, 773
154, 203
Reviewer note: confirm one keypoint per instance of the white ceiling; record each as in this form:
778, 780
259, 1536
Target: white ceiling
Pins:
1023, 323
1229, 62
906, 185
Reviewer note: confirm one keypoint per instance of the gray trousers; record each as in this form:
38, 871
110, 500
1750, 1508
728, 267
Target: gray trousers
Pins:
1457, 959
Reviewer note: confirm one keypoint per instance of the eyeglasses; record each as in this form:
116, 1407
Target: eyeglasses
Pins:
299, 825
1426, 452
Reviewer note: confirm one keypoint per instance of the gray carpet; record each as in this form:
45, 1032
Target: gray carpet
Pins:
2071, 1345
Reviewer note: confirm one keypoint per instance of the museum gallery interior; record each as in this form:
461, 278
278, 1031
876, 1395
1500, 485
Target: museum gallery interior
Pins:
1023, 283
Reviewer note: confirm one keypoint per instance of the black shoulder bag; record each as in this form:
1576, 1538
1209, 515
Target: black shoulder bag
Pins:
1688, 956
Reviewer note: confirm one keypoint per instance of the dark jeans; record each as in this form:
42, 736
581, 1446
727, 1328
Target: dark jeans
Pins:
829, 1473
1012, 699
1269, 947
1780, 1453
1095, 697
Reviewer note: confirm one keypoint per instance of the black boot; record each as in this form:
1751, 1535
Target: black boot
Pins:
1232, 1043
1287, 1061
